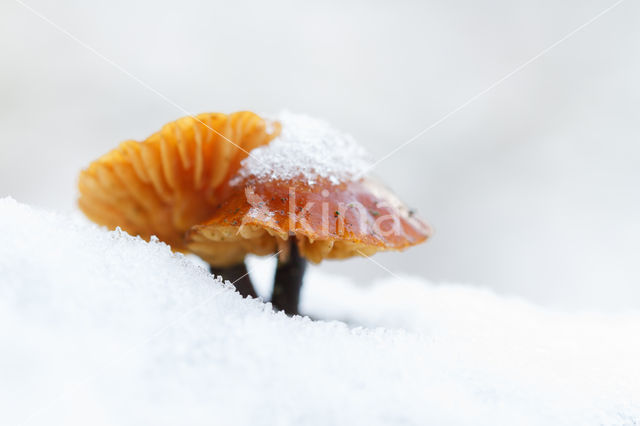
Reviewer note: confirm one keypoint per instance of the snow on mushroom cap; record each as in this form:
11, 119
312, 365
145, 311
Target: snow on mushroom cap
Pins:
308, 148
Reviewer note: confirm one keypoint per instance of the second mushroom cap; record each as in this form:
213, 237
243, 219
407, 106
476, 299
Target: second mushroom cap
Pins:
305, 186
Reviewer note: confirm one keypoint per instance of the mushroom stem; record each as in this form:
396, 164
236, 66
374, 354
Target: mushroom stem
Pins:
288, 280
238, 276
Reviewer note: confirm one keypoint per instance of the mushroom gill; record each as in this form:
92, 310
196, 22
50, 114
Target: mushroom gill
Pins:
173, 179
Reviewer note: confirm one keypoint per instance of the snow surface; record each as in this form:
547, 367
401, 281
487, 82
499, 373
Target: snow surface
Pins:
306, 147
98, 327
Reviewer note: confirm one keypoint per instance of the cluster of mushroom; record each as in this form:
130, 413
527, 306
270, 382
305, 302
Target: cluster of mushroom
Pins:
225, 186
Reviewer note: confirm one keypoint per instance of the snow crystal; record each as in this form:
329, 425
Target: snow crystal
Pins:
308, 148
99, 327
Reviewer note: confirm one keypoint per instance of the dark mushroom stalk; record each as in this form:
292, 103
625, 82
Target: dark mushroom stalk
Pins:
288, 279
238, 275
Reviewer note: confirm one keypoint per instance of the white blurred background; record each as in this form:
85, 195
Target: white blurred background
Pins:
532, 189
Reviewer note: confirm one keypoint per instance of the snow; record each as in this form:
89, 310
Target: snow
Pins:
306, 147
99, 327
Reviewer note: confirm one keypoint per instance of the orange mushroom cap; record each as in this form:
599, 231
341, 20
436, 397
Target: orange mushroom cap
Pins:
172, 180
329, 221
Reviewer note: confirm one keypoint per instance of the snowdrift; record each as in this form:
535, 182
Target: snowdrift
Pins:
100, 327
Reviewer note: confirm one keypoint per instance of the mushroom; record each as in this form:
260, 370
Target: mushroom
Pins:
174, 179
302, 196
